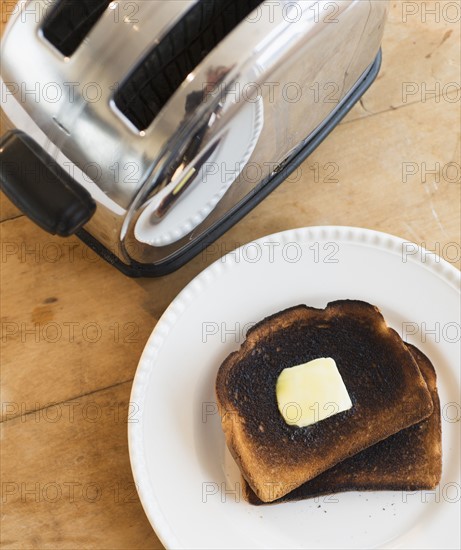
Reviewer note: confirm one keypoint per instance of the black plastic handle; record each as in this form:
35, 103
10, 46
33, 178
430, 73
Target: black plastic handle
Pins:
41, 188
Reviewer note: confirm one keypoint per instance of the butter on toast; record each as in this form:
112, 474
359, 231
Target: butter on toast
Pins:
384, 382
409, 460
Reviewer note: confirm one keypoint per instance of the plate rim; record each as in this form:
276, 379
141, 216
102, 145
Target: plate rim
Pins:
445, 271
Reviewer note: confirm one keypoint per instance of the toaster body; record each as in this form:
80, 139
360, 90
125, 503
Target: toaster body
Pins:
150, 127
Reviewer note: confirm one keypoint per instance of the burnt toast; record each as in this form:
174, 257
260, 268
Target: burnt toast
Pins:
409, 460
384, 382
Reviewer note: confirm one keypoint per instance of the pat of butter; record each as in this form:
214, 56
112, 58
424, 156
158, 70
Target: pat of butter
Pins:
311, 392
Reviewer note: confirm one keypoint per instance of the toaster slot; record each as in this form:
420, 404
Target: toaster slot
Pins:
147, 89
70, 21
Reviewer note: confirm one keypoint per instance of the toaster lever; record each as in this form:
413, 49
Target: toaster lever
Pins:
39, 187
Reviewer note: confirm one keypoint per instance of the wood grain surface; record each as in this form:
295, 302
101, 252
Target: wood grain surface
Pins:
73, 328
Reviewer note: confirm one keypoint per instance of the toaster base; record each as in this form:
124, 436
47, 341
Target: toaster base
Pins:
136, 269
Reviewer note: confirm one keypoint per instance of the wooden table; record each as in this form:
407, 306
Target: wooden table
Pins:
73, 328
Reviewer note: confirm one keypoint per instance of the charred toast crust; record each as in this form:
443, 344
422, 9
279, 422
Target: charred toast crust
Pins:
409, 460
385, 385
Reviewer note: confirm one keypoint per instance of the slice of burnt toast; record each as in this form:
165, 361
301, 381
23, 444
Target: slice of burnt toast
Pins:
409, 460
382, 378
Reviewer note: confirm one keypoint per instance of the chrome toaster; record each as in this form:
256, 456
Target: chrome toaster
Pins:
150, 127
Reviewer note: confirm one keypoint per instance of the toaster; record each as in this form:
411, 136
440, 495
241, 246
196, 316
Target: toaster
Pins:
148, 128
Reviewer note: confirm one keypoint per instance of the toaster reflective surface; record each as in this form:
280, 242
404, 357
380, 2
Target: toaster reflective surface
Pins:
235, 121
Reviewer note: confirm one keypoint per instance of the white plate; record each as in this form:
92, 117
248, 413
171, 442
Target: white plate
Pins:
187, 482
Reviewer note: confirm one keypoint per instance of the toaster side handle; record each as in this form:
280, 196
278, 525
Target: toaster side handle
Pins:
41, 188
